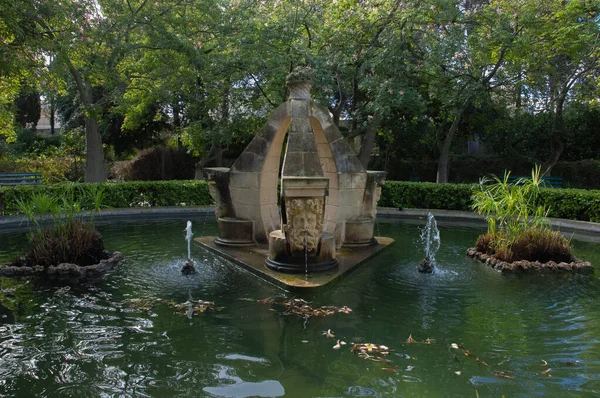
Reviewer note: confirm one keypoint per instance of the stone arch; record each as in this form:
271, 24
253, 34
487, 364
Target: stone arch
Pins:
254, 176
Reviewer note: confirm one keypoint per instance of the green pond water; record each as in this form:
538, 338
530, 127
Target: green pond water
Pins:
100, 340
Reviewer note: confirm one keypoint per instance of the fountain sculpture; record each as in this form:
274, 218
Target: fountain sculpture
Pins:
328, 199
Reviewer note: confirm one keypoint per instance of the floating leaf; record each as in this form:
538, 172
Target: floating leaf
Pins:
454, 345
329, 334
391, 370
301, 308
370, 351
546, 371
429, 341
544, 363
458, 372
267, 300
481, 362
410, 340
409, 368
193, 307
502, 374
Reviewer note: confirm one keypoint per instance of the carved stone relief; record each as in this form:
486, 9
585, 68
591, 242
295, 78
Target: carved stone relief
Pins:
304, 223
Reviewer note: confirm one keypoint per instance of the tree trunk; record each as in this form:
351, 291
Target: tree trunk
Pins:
218, 155
94, 159
556, 144
52, 113
177, 123
368, 141
442, 171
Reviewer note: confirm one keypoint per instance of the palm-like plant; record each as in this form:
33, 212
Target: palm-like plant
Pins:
512, 211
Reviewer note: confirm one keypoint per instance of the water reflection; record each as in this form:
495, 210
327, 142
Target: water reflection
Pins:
241, 389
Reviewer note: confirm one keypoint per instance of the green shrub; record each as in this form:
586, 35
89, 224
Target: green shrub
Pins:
426, 195
517, 225
69, 239
574, 204
75, 242
511, 208
53, 169
116, 195
158, 164
571, 204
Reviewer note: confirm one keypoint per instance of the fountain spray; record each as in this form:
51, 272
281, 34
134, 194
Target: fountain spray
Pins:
188, 267
430, 236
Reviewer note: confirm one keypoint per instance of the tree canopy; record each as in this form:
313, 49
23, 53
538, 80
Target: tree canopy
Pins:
407, 78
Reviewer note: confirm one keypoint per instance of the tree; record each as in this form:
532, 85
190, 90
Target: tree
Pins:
464, 46
19, 59
566, 56
28, 107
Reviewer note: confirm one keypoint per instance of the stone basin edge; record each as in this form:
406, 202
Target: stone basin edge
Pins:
20, 223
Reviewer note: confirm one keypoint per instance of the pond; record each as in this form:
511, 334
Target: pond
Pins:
120, 337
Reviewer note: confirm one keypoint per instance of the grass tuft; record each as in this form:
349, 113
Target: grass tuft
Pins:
532, 244
76, 242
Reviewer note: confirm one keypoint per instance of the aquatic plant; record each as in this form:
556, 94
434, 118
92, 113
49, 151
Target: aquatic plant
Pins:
518, 227
69, 239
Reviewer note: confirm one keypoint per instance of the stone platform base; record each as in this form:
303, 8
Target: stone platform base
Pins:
253, 260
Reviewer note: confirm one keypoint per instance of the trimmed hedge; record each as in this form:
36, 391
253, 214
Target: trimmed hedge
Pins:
573, 204
426, 195
120, 194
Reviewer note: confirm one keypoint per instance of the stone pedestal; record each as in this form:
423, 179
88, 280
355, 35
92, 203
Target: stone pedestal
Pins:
360, 233
235, 232
280, 259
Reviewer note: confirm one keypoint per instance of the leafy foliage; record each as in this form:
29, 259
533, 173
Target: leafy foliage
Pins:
511, 208
115, 195
517, 225
426, 195
75, 242
158, 163
69, 239
571, 204
136, 74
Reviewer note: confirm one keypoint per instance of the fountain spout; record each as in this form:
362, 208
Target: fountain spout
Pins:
430, 237
188, 237
188, 268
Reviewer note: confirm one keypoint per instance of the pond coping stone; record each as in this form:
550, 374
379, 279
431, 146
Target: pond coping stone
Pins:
64, 269
529, 266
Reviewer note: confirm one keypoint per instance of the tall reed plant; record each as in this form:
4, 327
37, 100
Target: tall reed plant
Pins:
515, 217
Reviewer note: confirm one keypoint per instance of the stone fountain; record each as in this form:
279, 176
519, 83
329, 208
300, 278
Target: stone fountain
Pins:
328, 200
